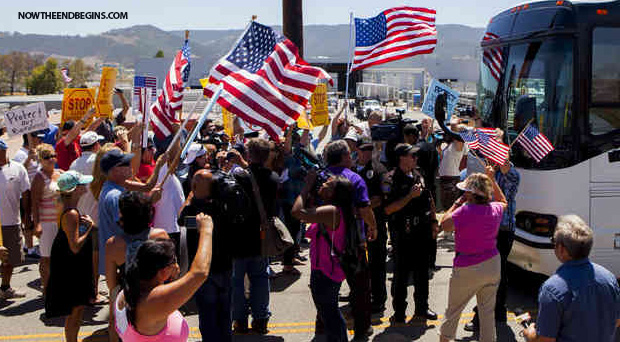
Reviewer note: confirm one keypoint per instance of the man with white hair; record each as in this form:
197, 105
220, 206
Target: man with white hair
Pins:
581, 301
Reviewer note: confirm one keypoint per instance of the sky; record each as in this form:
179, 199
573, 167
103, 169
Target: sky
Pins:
218, 14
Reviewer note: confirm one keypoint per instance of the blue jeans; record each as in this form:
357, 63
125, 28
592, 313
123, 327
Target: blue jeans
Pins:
325, 296
256, 269
213, 300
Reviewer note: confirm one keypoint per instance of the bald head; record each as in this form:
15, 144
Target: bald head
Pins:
201, 184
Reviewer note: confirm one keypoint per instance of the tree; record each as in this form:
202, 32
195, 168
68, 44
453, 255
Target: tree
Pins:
15, 68
159, 54
45, 79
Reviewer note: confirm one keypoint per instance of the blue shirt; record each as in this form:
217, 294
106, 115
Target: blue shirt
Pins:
108, 217
509, 183
50, 134
580, 302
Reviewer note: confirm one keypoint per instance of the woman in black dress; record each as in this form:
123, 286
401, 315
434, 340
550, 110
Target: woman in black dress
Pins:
71, 270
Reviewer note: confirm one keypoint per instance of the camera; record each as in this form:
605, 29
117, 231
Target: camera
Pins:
311, 162
391, 129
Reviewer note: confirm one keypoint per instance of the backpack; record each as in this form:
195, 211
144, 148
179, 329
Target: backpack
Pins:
232, 200
352, 258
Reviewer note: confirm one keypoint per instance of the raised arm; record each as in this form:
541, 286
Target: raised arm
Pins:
77, 128
167, 298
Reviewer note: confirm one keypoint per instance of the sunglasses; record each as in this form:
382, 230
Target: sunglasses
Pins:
49, 156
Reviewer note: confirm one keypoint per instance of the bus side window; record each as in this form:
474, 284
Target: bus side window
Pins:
605, 90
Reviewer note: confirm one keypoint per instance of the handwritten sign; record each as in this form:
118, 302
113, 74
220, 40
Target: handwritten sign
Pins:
227, 120
434, 89
76, 102
26, 119
318, 100
104, 97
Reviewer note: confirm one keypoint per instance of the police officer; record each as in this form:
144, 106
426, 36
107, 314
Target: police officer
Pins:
411, 216
372, 172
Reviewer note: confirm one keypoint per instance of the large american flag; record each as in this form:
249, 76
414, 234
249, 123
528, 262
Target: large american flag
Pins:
535, 143
395, 33
140, 82
492, 57
490, 147
164, 110
265, 81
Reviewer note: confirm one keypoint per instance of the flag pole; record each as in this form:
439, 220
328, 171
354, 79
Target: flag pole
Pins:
522, 129
346, 92
199, 123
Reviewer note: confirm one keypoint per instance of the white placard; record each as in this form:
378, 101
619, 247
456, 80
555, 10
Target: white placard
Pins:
26, 119
434, 89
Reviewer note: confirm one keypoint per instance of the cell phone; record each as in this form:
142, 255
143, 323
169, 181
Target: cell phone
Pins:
190, 222
83, 228
117, 90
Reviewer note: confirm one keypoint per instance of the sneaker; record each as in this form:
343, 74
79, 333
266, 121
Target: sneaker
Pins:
11, 293
472, 326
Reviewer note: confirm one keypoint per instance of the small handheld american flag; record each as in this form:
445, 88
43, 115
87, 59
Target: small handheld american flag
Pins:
394, 34
470, 139
490, 147
535, 143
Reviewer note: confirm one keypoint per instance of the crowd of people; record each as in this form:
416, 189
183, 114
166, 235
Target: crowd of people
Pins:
164, 230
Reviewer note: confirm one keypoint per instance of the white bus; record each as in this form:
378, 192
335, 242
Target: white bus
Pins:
557, 63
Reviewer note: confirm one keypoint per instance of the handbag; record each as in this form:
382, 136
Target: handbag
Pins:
274, 236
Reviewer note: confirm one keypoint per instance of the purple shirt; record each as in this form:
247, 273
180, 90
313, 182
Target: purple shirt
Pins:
361, 191
475, 233
321, 256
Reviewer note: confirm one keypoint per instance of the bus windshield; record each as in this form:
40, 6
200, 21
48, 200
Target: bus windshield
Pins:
530, 82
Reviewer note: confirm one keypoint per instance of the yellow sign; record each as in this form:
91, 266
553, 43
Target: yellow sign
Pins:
76, 102
104, 97
227, 120
204, 82
303, 122
318, 100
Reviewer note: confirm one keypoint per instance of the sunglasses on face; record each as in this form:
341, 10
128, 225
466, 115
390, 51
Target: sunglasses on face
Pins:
48, 157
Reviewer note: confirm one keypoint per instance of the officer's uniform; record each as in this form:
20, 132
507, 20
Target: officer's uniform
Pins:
377, 250
411, 232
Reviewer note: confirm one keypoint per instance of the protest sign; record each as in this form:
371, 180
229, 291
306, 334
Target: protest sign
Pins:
227, 120
26, 119
104, 106
318, 101
303, 122
76, 102
434, 89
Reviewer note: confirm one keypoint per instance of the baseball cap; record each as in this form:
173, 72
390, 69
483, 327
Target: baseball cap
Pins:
38, 134
464, 186
114, 158
351, 135
69, 180
3, 145
404, 149
195, 150
89, 138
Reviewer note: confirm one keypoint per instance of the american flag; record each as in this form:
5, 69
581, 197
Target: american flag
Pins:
470, 139
535, 143
490, 147
394, 34
171, 99
65, 75
265, 81
139, 82
492, 57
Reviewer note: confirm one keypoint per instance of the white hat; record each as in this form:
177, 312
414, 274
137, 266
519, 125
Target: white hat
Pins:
90, 138
195, 150
351, 135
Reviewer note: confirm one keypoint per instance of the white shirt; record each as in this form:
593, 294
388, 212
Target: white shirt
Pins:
172, 198
451, 160
13, 182
87, 205
84, 164
33, 166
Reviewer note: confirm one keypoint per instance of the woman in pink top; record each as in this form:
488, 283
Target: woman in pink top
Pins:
475, 219
328, 237
45, 206
147, 307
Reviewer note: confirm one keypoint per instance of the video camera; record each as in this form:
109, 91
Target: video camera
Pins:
311, 162
391, 129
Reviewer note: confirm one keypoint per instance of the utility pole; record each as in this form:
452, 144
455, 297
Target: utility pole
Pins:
293, 23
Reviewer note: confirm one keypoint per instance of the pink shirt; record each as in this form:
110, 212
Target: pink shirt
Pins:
176, 329
321, 256
475, 233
